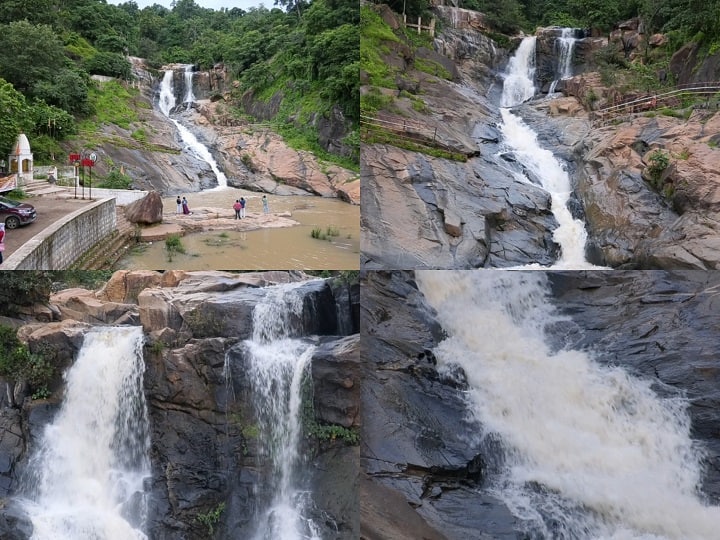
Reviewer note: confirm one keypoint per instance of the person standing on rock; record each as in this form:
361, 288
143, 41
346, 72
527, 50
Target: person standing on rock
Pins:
185, 208
237, 207
179, 205
266, 206
243, 202
2, 241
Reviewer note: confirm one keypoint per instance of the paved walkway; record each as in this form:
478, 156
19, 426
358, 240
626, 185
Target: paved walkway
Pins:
49, 209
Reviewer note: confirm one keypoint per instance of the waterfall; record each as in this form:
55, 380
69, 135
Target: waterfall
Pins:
522, 141
565, 46
166, 104
589, 451
87, 476
519, 82
189, 95
277, 369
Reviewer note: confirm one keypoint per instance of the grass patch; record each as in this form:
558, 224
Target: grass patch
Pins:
16, 194
113, 104
432, 67
373, 34
139, 135
379, 136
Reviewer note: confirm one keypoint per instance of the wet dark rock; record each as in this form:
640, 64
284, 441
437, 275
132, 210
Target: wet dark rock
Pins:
336, 378
415, 447
15, 524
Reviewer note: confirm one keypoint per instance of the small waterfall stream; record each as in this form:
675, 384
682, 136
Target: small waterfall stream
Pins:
166, 103
589, 452
87, 476
522, 141
565, 46
277, 367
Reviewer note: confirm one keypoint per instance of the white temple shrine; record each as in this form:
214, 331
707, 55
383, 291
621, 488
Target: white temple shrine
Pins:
21, 160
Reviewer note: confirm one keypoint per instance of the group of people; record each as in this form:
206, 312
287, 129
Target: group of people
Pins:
239, 207
240, 204
182, 206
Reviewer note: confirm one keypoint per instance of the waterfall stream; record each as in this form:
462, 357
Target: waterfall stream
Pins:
87, 477
522, 141
166, 103
277, 368
565, 46
590, 452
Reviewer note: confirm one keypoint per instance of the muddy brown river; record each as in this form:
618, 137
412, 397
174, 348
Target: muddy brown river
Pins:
290, 248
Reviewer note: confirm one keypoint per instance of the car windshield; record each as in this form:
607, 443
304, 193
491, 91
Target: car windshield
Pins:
9, 202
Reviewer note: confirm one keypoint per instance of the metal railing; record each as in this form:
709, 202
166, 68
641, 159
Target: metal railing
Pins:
652, 101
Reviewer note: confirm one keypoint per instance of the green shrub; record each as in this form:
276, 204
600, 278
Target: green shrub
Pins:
18, 363
115, 180
173, 245
211, 517
659, 161
108, 63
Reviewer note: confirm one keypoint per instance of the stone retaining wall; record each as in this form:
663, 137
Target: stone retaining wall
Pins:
66, 240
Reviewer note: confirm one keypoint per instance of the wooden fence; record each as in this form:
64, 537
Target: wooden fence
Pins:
401, 128
430, 28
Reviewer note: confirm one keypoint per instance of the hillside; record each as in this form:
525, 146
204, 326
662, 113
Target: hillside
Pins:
302, 57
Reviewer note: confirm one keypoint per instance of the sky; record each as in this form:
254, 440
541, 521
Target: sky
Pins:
212, 4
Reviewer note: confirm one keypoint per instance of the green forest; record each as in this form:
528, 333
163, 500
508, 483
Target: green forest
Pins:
686, 20
50, 48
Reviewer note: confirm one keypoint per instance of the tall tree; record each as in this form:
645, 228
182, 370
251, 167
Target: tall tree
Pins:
29, 53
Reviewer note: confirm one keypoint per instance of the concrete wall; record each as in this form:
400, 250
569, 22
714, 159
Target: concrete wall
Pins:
66, 240
123, 197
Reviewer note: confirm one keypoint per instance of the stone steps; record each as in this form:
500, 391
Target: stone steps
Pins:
42, 187
105, 254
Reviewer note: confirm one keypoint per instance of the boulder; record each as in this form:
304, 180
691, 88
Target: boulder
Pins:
125, 285
83, 305
146, 211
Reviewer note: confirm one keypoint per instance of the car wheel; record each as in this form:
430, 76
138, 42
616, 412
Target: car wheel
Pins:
12, 222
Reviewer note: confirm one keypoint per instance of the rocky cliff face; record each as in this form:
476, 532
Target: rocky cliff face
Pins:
421, 211
633, 219
419, 449
204, 443
261, 162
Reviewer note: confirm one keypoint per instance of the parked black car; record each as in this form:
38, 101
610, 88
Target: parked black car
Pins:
15, 213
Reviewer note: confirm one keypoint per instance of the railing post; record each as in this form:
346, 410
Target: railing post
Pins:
419, 24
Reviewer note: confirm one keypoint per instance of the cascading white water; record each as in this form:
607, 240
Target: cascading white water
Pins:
166, 103
565, 46
587, 447
570, 234
519, 84
189, 95
88, 472
277, 367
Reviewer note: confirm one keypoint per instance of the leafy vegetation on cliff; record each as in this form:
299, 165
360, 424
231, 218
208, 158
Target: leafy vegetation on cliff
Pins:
50, 48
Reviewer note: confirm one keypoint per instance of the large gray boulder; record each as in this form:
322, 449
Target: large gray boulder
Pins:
146, 211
